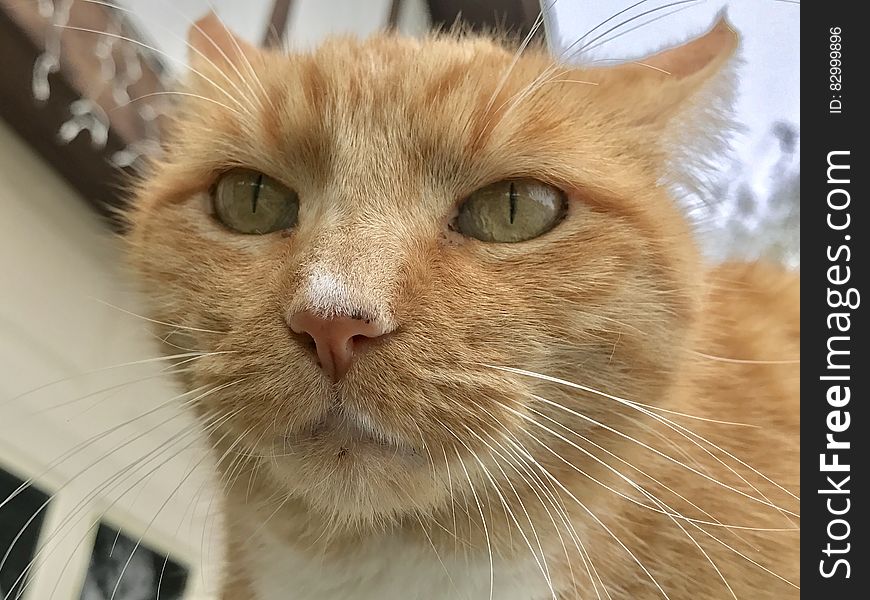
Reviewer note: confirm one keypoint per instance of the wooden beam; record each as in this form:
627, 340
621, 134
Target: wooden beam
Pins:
393, 16
515, 16
277, 25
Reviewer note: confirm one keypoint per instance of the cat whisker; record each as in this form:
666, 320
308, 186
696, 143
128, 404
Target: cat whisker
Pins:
80, 447
452, 498
194, 500
190, 46
116, 479
239, 52
180, 94
526, 457
535, 486
45, 549
632, 62
93, 439
517, 98
539, 20
483, 523
594, 517
564, 56
572, 465
663, 508
599, 25
151, 523
161, 375
747, 558
254, 472
552, 73
140, 481
542, 562
572, 531
287, 497
428, 453
168, 368
672, 444
164, 339
638, 26
682, 431
172, 369
238, 458
570, 81
132, 363
591, 45
672, 514
763, 500
615, 398
250, 68
558, 506
102, 487
243, 112
158, 322
435, 550
715, 522
741, 361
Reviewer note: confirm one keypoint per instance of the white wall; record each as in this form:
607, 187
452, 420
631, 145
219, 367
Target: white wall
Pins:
58, 266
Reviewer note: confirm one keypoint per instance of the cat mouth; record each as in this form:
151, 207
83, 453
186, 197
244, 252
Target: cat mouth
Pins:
351, 431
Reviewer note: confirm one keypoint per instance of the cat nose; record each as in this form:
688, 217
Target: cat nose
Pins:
336, 339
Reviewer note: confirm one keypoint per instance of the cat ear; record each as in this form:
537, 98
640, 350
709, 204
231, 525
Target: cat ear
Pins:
211, 42
666, 83
703, 55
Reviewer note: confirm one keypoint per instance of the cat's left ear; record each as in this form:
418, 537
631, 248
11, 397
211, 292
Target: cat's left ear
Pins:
664, 84
212, 42
699, 57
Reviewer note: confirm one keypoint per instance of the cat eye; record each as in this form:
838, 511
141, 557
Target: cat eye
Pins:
511, 211
253, 203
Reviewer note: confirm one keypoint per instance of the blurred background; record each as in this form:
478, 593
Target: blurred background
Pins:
103, 487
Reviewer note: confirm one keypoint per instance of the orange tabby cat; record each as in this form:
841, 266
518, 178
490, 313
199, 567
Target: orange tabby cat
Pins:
458, 338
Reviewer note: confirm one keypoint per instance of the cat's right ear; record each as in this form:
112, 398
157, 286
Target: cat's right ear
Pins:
211, 42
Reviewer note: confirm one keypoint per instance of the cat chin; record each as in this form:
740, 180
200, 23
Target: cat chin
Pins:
358, 482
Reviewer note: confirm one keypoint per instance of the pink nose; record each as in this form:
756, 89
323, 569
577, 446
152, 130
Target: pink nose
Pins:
336, 339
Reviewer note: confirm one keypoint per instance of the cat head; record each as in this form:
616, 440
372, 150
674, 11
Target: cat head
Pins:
367, 238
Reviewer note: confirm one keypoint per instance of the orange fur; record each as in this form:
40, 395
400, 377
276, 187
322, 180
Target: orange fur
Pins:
381, 138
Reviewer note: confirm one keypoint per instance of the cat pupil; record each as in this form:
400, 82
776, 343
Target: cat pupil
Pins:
256, 194
513, 199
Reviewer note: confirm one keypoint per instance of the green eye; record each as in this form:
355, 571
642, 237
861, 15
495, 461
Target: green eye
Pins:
511, 211
250, 202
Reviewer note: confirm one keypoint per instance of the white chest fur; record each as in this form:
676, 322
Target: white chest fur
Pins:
388, 569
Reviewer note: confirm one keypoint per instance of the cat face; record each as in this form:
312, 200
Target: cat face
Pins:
354, 326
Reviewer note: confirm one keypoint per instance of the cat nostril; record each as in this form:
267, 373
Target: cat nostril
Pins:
336, 340
307, 342
359, 341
